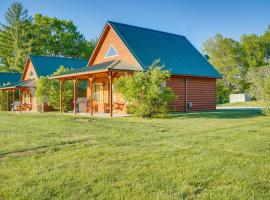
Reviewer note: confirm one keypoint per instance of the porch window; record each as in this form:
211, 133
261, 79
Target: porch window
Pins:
98, 92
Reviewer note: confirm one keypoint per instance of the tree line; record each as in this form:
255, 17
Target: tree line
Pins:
239, 62
22, 35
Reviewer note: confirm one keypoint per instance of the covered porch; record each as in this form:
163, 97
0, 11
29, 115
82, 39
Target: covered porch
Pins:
101, 98
18, 96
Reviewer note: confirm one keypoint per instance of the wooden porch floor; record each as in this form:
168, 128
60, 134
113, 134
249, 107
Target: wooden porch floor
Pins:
102, 115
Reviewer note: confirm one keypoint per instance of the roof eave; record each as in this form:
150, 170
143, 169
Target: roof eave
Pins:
76, 74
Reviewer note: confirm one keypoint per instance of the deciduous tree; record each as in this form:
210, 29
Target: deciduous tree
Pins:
225, 54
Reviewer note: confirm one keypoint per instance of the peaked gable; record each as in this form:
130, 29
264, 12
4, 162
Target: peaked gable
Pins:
29, 71
175, 51
107, 40
45, 65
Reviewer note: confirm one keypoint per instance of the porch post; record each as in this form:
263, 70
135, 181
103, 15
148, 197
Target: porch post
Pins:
75, 95
61, 103
20, 94
2, 98
111, 96
91, 93
7, 100
13, 100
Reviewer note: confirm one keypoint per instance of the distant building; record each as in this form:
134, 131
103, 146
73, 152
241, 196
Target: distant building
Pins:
236, 98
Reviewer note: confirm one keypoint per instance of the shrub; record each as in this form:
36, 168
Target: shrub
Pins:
48, 91
259, 80
146, 92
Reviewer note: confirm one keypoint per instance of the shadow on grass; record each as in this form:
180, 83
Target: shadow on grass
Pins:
219, 114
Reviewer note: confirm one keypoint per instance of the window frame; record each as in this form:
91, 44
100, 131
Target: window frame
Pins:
111, 46
99, 93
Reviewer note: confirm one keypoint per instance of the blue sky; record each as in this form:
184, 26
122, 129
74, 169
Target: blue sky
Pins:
195, 19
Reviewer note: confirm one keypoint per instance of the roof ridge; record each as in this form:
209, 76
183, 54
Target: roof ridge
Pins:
46, 56
147, 29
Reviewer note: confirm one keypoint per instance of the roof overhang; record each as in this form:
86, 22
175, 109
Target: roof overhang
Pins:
116, 66
17, 85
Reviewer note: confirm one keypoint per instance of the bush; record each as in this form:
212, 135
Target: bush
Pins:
146, 92
259, 80
48, 91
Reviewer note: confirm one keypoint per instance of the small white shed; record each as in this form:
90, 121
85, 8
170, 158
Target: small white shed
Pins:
235, 98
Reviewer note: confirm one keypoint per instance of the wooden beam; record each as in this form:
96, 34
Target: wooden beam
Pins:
61, 98
20, 94
2, 98
90, 78
114, 74
30, 98
13, 100
7, 100
111, 95
75, 95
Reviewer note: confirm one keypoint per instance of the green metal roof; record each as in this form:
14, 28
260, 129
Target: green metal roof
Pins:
175, 51
7, 78
18, 84
113, 65
45, 65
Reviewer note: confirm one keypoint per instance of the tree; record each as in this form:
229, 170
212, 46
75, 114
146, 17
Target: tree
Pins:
259, 79
225, 54
42, 91
56, 37
15, 37
254, 50
146, 92
48, 91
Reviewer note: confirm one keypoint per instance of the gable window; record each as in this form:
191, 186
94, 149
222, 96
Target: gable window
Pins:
98, 92
111, 52
31, 74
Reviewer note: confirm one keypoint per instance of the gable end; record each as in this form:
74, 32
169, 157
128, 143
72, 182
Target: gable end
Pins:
109, 38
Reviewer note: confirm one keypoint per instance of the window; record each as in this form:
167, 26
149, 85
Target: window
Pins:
31, 74
98, 92
111, 52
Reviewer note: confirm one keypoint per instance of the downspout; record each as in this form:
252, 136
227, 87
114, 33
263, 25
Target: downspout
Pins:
186, 93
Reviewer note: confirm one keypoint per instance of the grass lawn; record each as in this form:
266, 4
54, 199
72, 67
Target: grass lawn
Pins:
217, 155
243, 104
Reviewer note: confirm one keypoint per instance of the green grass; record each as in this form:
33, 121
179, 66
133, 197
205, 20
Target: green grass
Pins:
243, 104
217, 155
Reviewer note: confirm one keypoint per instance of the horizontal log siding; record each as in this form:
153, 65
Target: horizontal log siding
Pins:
177, 84
201, 92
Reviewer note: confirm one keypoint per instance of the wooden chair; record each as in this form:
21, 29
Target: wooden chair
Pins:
119, 106
88, 107
106, 107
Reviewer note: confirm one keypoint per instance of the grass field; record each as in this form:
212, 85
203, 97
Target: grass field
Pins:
217, 155
243, 104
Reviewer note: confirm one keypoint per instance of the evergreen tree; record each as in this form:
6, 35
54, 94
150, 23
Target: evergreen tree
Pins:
15, 37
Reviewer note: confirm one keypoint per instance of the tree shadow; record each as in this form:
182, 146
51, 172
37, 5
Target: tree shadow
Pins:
220, 114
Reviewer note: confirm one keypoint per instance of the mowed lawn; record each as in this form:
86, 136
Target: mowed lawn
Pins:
215, 155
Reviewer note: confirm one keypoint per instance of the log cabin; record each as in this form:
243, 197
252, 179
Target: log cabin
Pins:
7, 78
25, 84
124, 49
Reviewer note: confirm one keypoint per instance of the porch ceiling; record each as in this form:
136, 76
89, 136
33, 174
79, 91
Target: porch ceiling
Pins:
114, 65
